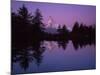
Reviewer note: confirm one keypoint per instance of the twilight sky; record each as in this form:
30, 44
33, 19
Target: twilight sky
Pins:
61, 13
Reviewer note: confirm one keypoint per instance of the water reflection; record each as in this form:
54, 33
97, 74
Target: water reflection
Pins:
35, 52
27, 54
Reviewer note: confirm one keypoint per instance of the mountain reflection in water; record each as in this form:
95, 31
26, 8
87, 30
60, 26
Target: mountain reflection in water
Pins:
43, 56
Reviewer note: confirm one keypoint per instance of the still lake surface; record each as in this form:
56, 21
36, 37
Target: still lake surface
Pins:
54, 57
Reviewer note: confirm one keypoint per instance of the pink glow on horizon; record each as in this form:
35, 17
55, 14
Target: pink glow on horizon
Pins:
66, 14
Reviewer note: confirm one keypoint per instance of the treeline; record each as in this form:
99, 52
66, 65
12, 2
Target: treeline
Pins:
83, 31
26, 28
82, 35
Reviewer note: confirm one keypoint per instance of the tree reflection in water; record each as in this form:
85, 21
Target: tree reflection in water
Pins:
26, 55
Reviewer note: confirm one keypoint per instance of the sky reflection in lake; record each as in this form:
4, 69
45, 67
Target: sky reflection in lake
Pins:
58, 59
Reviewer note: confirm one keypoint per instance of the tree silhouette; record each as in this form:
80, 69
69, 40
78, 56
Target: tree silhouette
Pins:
21, 26
63, 32
59, 28
24, 18
37, 23
82, 35
75, 28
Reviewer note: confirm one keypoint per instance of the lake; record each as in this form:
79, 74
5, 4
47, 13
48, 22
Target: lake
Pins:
51, 56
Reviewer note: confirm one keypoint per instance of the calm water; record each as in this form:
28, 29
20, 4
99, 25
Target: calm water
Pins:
50, 56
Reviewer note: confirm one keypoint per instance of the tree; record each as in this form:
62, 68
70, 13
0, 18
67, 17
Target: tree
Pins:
59, 28
24, 18
37, 22
64, 28
21, 21
64, 31
76, 27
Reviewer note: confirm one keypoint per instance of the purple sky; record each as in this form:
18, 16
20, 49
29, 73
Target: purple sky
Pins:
61, 13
